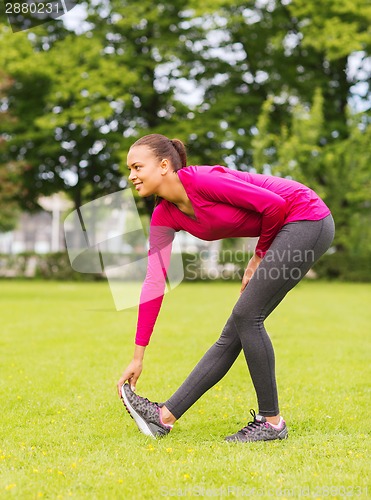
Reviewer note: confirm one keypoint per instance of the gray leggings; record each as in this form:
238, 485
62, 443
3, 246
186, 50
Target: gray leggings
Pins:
294, 250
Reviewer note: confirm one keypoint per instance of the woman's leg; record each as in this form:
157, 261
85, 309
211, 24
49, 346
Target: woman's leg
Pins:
208, 371
296, 247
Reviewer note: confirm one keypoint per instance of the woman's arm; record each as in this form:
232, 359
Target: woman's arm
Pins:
160, 242
153, 289
252, 266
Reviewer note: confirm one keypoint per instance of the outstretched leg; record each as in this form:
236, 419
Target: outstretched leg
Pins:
296, 247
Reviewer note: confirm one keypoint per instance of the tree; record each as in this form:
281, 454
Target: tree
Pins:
272, 48
10, 186
338, 171
78, 101
60, 112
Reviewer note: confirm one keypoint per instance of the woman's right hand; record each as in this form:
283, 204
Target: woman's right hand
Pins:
131, 374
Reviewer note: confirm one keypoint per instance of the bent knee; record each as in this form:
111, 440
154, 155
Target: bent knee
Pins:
247, 316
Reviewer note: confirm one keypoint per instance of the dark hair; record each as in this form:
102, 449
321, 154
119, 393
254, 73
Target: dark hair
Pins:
163, 147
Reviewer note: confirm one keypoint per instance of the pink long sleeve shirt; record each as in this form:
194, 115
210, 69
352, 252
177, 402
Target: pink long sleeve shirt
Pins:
227, 204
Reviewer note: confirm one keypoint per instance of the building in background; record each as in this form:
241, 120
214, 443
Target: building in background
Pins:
41, 232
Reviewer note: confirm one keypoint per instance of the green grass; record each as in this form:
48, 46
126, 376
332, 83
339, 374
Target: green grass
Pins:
65, 433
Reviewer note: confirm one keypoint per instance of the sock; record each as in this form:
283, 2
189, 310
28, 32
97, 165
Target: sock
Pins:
279, 425
166, 425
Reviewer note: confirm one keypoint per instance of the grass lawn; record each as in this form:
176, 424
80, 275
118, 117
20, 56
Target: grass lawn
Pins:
65, 433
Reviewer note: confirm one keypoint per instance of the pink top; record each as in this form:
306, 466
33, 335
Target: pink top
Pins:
227, 204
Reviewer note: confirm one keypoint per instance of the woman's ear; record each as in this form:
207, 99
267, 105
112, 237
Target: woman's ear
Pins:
165, 164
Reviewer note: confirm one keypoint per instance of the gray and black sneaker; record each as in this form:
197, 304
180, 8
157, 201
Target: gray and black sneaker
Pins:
145, 413
260, 430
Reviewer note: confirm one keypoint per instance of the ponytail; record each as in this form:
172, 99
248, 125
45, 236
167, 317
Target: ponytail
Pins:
181, 150
172, 149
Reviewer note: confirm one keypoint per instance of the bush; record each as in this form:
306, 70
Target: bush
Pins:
50, 266
56, 266
344, 267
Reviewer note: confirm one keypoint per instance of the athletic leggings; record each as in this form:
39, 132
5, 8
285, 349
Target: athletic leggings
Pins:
294, 250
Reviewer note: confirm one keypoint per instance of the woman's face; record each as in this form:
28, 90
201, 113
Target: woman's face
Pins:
145, 170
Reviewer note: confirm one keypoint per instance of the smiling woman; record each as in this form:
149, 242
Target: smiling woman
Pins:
152, 161
214, 202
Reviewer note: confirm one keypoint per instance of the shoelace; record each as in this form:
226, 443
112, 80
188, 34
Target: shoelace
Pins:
146, 400
254, 424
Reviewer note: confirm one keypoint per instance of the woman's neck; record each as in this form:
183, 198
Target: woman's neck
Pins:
173, 191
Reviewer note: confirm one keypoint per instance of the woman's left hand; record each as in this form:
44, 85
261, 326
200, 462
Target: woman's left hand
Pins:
250, 270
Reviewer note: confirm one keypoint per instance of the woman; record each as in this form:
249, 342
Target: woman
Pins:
295, 228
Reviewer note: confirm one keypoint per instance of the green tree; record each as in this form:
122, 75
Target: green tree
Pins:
338, 171
79, 101
10, 185
60, 113
271, 48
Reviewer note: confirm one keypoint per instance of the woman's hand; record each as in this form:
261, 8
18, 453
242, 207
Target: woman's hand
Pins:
131, 374
250, 270
133, 371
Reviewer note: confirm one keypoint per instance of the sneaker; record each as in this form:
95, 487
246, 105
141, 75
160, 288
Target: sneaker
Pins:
145, 413
260, 430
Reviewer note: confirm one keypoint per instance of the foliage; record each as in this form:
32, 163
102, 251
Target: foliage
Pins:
10, 187
351, 266
338, 171
264, 84
10, 175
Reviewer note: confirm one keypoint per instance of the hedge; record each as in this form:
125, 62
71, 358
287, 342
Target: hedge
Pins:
56, 266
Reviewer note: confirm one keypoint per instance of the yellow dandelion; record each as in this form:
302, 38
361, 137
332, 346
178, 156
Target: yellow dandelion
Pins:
40, 494
35, 471
186, 476
61, 473
120, 481
10, 486
169, 450
190, 450
73, 466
